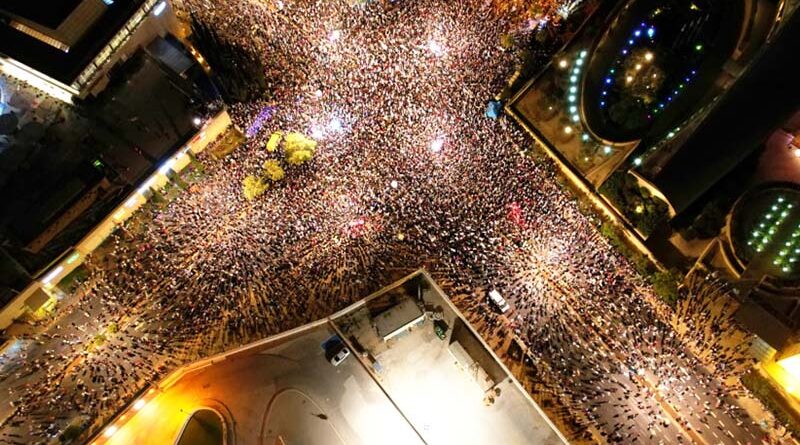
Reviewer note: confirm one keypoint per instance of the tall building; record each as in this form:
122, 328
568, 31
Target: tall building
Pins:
77, 137
66, 48
679, 118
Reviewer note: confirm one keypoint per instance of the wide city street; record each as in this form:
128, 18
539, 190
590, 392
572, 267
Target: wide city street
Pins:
409, 172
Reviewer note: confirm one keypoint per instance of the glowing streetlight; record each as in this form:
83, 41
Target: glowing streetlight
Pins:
110, 431
435, 47
562, 63
138, 405
648, 56
568, 129
197, 121
437, 144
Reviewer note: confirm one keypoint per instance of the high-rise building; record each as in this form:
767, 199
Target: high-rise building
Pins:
676, 117
77, 137
66, 48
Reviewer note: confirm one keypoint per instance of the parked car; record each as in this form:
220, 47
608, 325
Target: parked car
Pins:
340, 356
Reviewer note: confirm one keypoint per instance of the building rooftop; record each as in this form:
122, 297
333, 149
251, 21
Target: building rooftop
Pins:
738, 125
50, 16
59, 39
391, 321
284, 389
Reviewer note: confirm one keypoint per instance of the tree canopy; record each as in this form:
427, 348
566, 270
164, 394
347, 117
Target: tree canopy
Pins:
253, 187
299, 148
273, 170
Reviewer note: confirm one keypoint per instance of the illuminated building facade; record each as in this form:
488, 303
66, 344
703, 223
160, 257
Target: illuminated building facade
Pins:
66, 48
71, 156
678, 118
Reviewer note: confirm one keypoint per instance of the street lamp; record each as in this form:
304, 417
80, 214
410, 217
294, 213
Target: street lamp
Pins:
110, 431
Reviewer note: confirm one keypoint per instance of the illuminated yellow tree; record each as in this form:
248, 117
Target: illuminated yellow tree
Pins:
273, 170
299, 148
253, 187
274, 140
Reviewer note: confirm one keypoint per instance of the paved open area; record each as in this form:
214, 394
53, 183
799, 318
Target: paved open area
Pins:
285, 389
408, 172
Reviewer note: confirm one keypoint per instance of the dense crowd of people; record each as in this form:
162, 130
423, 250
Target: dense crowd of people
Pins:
409, 172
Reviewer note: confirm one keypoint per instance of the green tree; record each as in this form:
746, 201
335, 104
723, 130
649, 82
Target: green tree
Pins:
710, 221
506, 41
70, 433
665, 284
273, 170
253, 187
628, 113
299, 148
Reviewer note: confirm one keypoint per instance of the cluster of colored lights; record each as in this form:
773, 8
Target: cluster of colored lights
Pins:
264, 115
790, 252
674, 93
769, 224
638, 35
644, 34
573, 92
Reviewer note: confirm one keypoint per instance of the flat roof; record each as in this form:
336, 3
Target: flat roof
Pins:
46, 13
472, 399
397, 317
738, 125
284, 389
55, 63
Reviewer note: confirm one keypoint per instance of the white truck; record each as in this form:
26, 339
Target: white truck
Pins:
499, 301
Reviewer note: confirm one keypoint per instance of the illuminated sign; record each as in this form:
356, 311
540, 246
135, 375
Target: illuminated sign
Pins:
159, 8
